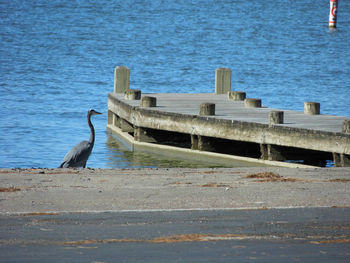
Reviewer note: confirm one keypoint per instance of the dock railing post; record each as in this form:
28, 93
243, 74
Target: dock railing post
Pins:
252, 103
311, 108
346, 127
207, 109
236, 95
276, 117
222, 80
148, 101
121, 79
132, 94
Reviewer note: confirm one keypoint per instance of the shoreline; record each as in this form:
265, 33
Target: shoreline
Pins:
30, 191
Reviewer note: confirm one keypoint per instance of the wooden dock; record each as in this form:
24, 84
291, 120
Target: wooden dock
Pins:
230, 127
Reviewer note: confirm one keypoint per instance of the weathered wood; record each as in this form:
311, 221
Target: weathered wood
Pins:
236, 95
110, 115
148, 101
232, 121
207, 109
276, 117
222, 80
341, 160
132, 94
121, 79
205, 144
141, 135
126, 126
346, 127
311, 108
194, 142
252, 103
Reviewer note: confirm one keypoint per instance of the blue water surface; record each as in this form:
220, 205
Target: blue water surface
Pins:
57, 59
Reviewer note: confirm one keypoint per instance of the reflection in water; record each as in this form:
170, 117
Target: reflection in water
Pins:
121, 157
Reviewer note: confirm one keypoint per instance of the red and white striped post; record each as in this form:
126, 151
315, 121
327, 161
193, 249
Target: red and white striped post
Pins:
333, 13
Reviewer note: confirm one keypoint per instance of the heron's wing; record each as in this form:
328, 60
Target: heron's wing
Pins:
78, 155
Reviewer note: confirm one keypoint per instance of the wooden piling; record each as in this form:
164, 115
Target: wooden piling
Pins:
141, 135
121, 79
205, 144
276, 117
148, 101
207, 109
252, 103
110, 116
236, 95
132, 94
311, 108
346, 127
222, 80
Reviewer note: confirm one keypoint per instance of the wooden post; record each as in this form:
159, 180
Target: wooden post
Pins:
148, 101
252, 103
236, 95
275, 153
333, 6
346, 127
271, 152
264, 152
126, 126
207, 109
132, 94
205, 144
194, 142
311, 108
222, 80
276, 117
110, 117
141, 135
121, 79
341, 160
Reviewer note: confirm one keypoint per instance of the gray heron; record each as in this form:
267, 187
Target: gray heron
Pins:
79, 154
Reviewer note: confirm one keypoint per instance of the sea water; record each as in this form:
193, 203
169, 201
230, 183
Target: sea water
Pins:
57, 60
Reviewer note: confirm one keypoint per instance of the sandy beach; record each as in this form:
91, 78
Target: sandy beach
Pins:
99, 190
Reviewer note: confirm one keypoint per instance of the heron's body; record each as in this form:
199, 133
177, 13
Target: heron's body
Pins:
79, 154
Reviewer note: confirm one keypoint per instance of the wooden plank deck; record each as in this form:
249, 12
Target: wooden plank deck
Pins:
183, 103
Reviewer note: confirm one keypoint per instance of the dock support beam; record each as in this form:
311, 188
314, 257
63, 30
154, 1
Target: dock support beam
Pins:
194, 142
271, 153
222, 80
205, 144
110, 116
341, 160
200, 143
126, 126
121, 79
141, 135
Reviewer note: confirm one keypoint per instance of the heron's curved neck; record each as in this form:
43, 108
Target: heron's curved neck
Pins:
92, 134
